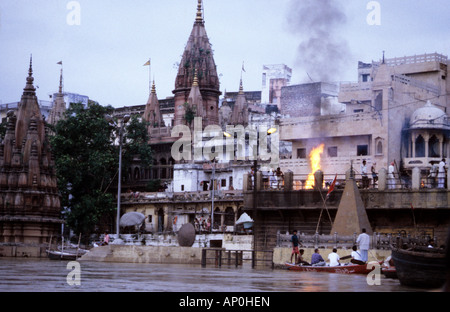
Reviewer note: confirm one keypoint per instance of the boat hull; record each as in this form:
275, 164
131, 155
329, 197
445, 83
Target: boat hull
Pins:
419, 269
390, 272
58, 255
342, 269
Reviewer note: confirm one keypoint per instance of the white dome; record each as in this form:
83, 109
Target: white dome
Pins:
429, 117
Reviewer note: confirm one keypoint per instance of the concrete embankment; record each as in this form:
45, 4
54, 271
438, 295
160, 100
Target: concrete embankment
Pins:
193, 255
144, 254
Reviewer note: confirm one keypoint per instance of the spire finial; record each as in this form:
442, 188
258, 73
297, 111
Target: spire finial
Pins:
60, 78
195, 83
153, 87
30, 71
199, 18
29, 88
241, 88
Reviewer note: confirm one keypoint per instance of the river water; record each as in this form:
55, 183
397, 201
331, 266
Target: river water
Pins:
31, 275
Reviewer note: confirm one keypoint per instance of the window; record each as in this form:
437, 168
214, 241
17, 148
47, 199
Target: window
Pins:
332, 151
380, 148
365, 77
223, 183
434, 149
301, 153
362, 150
420, 147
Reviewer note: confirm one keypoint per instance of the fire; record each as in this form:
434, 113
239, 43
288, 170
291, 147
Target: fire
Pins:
314, 158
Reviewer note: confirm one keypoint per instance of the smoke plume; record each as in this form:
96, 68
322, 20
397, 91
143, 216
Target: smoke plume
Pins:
322, 52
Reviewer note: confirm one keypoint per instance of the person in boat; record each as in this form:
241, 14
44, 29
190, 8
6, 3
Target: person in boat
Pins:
300, 258
295, 244
356, 256
316, 258
334, 258
364, 241
105, 239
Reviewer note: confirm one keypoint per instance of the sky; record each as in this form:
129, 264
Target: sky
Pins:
104, 44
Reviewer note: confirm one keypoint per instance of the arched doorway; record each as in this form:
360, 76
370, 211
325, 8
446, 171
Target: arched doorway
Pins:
161, 220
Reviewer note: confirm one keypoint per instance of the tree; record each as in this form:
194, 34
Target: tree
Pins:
86, 163
136, 145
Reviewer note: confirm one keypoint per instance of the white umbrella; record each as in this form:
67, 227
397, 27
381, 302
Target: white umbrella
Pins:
244, 218
131, 219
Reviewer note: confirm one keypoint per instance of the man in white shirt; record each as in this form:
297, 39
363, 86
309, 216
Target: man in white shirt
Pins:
441, 174
334, 258
364, 241
364, 177
356, 256
391, 176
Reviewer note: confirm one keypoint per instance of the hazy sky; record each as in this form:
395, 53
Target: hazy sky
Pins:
104, 51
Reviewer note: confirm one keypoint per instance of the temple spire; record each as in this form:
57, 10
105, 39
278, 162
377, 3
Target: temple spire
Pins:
61, 81
199, 17
153, 87
29, 88
241, 87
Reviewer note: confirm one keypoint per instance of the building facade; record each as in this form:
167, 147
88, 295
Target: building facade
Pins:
375, 119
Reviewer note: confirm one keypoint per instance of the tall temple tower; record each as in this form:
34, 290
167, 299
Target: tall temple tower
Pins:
59, 105
30, 209
152, 113
197, 70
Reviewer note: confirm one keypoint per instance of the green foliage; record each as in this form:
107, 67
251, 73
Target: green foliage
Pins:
86, 162
136, 144
189, 113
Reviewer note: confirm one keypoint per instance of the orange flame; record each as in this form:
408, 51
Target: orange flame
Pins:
314, 158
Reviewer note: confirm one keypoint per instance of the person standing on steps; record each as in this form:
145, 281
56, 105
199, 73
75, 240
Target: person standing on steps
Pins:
363, 241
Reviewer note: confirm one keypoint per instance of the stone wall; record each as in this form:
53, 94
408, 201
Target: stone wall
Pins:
23, 251
144, 254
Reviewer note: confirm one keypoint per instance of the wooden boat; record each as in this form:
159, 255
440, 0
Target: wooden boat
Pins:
62, 255
66, 252
388, 268
389, 272
420, 267
342, 269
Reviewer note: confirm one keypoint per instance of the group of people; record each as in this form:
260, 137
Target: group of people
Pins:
274, 178
360, 256
365, 176
202, 224
437, 174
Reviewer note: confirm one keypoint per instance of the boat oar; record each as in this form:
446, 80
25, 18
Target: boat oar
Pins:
346, 257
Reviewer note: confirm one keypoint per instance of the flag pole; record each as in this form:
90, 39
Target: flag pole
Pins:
149, 74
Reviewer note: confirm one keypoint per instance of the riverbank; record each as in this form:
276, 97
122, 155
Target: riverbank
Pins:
193, 255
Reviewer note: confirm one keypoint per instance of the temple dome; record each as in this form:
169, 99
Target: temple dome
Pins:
429, 117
